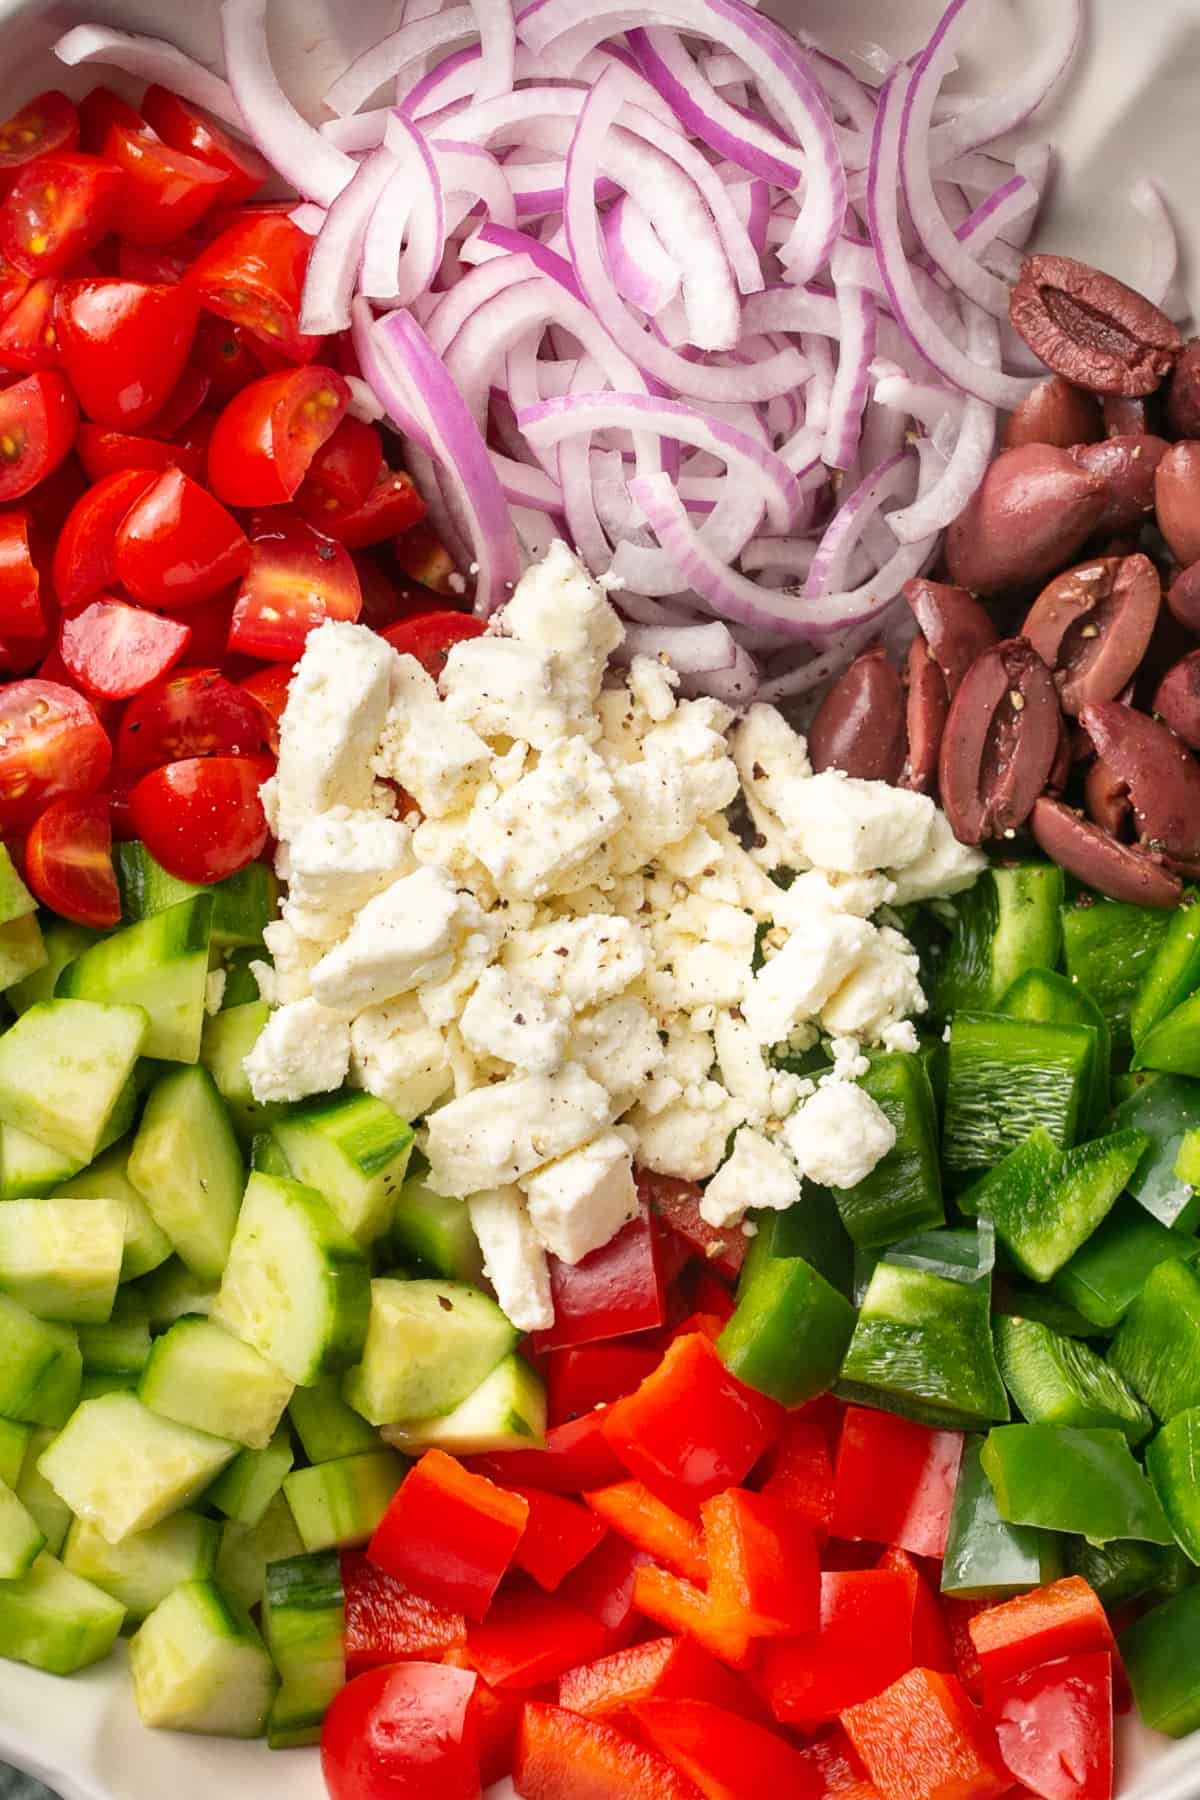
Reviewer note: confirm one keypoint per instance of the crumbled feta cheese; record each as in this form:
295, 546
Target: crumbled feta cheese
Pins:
434, 756
797, 983
401, 938
943, 868
302, 1049
581, 1201
838, 822
399, 1057
619, 1046
771, 758
442, 1000
883, 988
848, 1060
339, 860
901, 1036
214, 991
652, 684
586, 960
757, 1175
558, 607
509, 1018
744, 1069
534, 839
503, 688
687, 1138
500, 1133
839, 1135
294, 958
513, 1260
337, 704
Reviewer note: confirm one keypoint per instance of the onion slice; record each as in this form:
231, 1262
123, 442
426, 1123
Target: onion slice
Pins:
152, 59
314, 167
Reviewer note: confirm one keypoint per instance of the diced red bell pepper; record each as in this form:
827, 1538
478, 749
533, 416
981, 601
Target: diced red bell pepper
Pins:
603, 1587
709, 1325
692, 1429
894, 1482
558, 1535
387, 1623
801, 1474
497, 1716
931, 1646
530, 1637
727, 1756
863, 1644
709, 1295
923, 1740
1064, 1619
561, 1756
958, 1614
843, 1775
668, 1668
577, 1456
677, 1204
594, 1375
614, 1291
1054, 1727
677, 1604
449, 1534
763, 1562
667, 1537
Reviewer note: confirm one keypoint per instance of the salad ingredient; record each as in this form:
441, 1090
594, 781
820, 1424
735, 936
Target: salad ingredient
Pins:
455, 1531
1093, 625
922, 1736
113, 650
38, 418
202, 817
123, 346
984, 1554
68, 860
403, 1729
267, 436
303, 1620
294, 579
1052, 1476
1163, 1685
177, 545
1034, 509
198, 1664
1091, 328
56, 210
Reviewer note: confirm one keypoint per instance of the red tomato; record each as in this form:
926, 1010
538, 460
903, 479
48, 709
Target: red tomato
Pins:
12, 285
84, 556
296, 579
424, 558
347, 465
229, 356
210, 622
184, 127
429, 636
194, 712
253, 275
124, 345
68, 861
114, 650
165, 191
268, 689
21, 614
392, 506
99, 111
403, 1733
202, 818
28, 339
178, 545
269, 433
158, 264
118, 790
53, 498
183, 403
57, 208
102, 452
51, 743
38, 417
45, 125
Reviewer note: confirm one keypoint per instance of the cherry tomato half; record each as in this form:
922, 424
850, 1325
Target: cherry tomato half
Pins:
114, 650
347, 465
178, 545
392, 506
21, 613
430, 636
202, 818
253, 275
102, 452
268, 689
124, 345
56, 209
183, 402
192, 712
100, 109
51, 743
229, 356
424, 558
68, 861
85, 554
184, 127
165, 191
269, 433
403, 1732
295, 580
38, 417
45, 125
28, 339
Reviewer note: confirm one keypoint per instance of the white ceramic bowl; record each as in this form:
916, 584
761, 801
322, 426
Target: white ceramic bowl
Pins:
1128, 110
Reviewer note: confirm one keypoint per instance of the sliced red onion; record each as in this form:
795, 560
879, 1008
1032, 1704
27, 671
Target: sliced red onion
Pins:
791, 558
972, 452
921, 401
497, 46
819, 670
359, 132
1163, 265
296, 150
406, 235
758, 148
470, 170
892, 479
526, 486
386, 381
333, 266
153, 59
640, 266
989, 118
851, 386
309, 218
1004, 209
388, 58
365, 403
707, 658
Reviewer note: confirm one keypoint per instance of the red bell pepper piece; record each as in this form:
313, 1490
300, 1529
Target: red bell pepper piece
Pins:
497, 1716
958, 1614
839, 1768
923, 1740
449, 1534
677, 1204
692, 1429
669, 1668
595, 1375
801, 1474
1064, 1619
709, 1325
709, 1295
863, 1644
667, 1537
386, 1623
577, 1456
675, 1603
931, 1646
1054, 1726
561, 1756
764, 1563
616, 1290
895, 1481
558, 1535
603, 1586
530, 1637
727, 1756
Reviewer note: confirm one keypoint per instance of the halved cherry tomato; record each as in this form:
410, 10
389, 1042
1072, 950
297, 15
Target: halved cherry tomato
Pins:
51, 743
84, 556
403, 1733
178, 545
103, 451
159, 264
117, 790
253, 275
185, 127
45, 125
124, 346
56, 209
21, 614
38, 417
202, 818
193, 712
114, 650
165, 191
430, 636
13, 284
53, 498
268, 689
28, 339
424, 558
392, 506
68, 861
269, 433
210, 623
296, 579
101, 109
182, 403
347, 465
228, 355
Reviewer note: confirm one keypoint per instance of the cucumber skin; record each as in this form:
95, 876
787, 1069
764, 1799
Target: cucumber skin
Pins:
56, 1621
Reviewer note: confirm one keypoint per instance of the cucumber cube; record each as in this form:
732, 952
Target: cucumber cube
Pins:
226, 1042
435, 1231
162, 964
353, 1149
199, 1665
14, 1441
62, 942
200, 1375
21, 1538
27, 1167
62, 1258
241, 905
142, 1570
38, 1497
172, 1292
186, 1165
40, 1367
429, 1344
63, 1070
55, 1620
506, 1412
22, 951
252, 1480
339, 1504
303, 1622
326, 1426
147, 1246
16, 901
247, 1551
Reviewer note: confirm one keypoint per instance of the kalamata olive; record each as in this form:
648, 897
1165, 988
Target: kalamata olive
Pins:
1093, 626
954, 626
1124, 416
1054, 412
1106, 797
1034, 509
928, 706
1060, 772
1177, 500
1183, 598
1160, 772
1099, 861
1000, 743
1177, 702
1183, 394
1128, 465
859, 726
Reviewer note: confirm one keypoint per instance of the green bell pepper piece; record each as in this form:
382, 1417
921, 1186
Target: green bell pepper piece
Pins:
1174, 972
1165, 1109
1124, 1570
1061, 1478
984, 1554
1060, 1381
1161, 1654
1007, 923
1046, 1203
1187, 1163
903, 1193
811, 1230
789, 1330
1172, 1459
1173, 1045
1157, 1348
1050, 999
1025, 1300
1007, 1076
1109, 948
1105, 1276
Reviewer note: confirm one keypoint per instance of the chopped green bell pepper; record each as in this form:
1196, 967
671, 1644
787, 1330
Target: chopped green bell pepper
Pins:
1172, 1461
789, 1331
1008, 1076
1173, 1045
1007, 923
1050, 999
811, 1230
1124, 1570
984, 1554
1174, 972
1105, 1276
1026, 1300
1109, 948
1165, 1109
1059, 1381
1046, 1203
1161, 1654
903, 1193
1187, 1163
1157, 1348
1061, 1478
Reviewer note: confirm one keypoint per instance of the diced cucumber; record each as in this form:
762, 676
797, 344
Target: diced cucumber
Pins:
1172, 1045
198, 1664
1046, 1203
226, 1042
147, 1246
241, 983
144, 1568
984, 1554
434, 1231
1166, 1108
97, 1382
1172, 1458
1007, 923
172, 1292
241, 904
21, 1538
247, 1551
62, 1258
296, 1285
326, 1426
124, 1468
14, 1441
1059, 1381
266, 1155
1007, 1076
506, 1412
1174, 973
252, 1480
338, 1504
55, 1620
63, 1070
903, 1193
62, 942
200, 1375
22, 951
161, 964
38, 1497
353, 1149
40, 1367
1107, 1274
303, 1623
429, 1344
1157, 1346
29, 1168
16, 901
1110, 947
1051, 999
186, 1165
